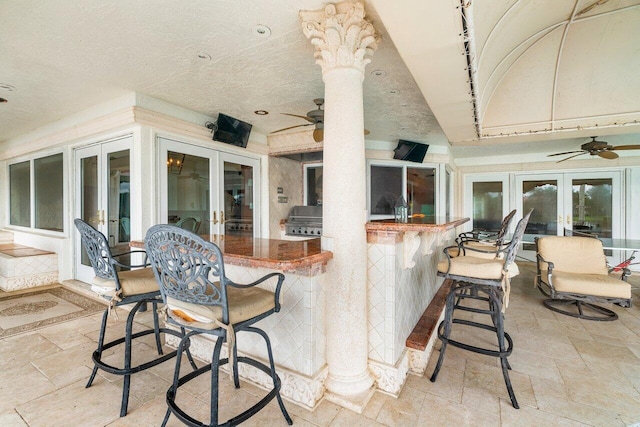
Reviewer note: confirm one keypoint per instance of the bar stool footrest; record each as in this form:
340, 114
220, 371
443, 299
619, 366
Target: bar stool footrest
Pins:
481, 350
242, 417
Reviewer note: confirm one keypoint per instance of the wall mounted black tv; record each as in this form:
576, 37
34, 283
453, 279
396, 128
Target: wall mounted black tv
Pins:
231, 131
410, 151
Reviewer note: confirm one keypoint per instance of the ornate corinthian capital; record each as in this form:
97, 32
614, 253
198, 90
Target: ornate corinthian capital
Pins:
343, 37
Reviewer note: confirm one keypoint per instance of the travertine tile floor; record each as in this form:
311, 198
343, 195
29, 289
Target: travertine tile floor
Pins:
565, 372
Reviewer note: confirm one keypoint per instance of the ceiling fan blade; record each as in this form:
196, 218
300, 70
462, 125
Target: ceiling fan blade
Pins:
292, 127
367, 131
571, 157
318, 135
298, 115
566, 152
626, 147
608, 155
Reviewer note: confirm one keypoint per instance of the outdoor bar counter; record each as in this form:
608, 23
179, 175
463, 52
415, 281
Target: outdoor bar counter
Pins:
402, 281
297, 331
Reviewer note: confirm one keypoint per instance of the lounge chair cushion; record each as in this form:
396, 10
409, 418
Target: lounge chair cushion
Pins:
601, 285
133, 282
243, 304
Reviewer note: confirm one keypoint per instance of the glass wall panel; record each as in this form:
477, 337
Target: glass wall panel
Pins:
48, 188
421, 186
386, 188
487, 205
20, 194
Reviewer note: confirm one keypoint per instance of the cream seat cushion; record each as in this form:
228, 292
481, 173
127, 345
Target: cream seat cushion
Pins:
244, 304
601, 285
470, 266
133, 282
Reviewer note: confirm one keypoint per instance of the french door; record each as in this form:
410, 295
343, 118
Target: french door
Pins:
208, 191
103, 197
570, 203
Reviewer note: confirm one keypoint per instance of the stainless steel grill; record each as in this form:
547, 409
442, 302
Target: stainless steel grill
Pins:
304, 221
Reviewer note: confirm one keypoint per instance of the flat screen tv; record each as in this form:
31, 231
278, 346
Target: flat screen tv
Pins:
410, 151
231, 131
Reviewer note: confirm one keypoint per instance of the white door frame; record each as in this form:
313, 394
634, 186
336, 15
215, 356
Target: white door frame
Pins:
101, 151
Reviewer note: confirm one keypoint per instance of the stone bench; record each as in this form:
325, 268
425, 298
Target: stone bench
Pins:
23, 267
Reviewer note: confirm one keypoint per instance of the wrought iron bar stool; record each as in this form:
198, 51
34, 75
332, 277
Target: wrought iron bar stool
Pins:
138, 287
485, 280
200, 298
469, 243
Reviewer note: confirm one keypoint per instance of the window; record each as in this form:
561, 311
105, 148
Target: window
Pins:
313, 184
20, 194
388, 183
47, 201
48, 184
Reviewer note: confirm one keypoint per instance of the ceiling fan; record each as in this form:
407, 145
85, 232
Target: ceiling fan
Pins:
596, 148
315, 118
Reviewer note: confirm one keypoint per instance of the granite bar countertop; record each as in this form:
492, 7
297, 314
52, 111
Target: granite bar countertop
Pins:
427, 223
302, 257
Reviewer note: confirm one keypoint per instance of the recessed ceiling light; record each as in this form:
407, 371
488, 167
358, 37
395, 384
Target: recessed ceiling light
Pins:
261, 30
8, 87
378, 73
261, 112
204, 56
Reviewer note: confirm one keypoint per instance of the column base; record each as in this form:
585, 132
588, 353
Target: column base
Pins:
355, 403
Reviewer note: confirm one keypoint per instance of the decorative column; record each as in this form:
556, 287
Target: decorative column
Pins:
343, 38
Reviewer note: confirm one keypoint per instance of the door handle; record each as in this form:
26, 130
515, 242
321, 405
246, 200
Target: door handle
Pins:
560, 219
100, 217
568, 219
221, 217
215, 218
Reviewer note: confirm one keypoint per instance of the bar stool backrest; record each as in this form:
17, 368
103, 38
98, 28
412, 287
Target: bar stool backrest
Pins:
98, 250
504, 227
514, 245
187, 267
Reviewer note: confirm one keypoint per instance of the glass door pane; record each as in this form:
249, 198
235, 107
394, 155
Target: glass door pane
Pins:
591, 206
89, 201
238, 199
188, 191
239, 195
487, 205
118, 202
541, 195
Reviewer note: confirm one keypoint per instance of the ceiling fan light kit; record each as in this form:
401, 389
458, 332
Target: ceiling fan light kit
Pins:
596, 148
315, 118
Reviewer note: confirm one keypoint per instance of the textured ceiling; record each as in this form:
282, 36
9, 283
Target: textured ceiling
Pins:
64, 56
546, 73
